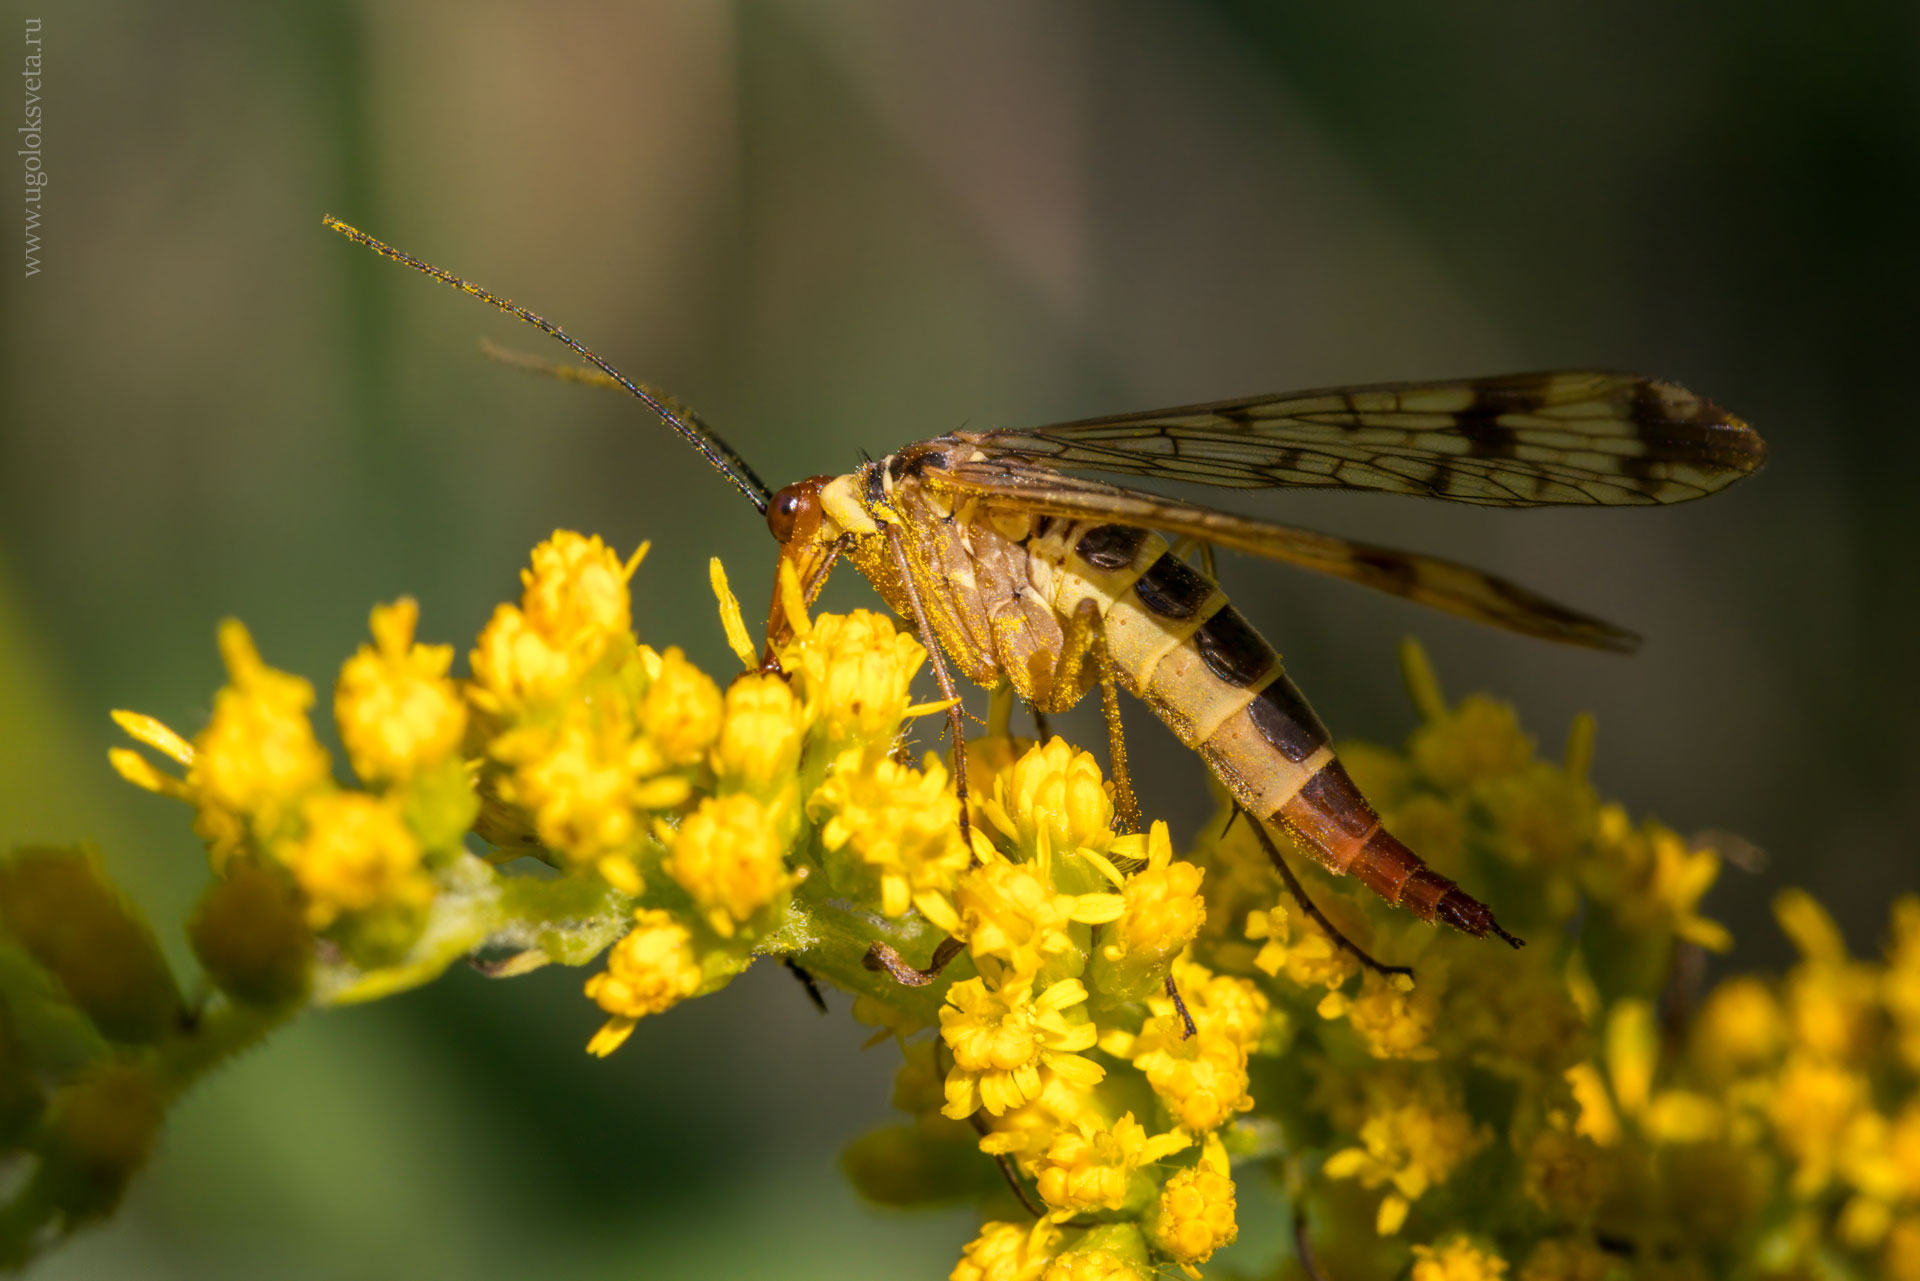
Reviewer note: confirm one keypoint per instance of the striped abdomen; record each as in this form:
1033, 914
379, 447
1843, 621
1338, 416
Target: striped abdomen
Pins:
1179, 646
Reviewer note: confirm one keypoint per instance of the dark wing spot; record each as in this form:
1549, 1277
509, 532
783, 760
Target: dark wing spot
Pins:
1111, 547
1506, 394
1285, 721
1172, 588
1385, 570
1232, 650
1678, 426
1488, 438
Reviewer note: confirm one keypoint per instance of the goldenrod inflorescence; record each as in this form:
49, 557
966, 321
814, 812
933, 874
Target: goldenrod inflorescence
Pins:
1106, 1045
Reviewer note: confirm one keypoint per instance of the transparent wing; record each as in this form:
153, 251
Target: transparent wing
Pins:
1521, 440
1021, 485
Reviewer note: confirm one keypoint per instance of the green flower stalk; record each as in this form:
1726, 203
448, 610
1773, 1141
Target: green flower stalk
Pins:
1101, 1041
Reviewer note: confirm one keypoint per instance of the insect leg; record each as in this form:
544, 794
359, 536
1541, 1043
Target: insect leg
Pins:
1123, 797
955, 718
1042, 731
1085, 640
1299, 893
880, 956
1008, 1173
805, 976
1180, 1007
1001, 1159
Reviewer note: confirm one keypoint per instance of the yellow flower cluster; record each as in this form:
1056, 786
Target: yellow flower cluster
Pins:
363, 859
1129, 1035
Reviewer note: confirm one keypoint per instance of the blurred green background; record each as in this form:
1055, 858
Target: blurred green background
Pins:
836, 227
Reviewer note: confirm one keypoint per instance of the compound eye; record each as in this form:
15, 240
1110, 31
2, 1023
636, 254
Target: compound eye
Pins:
787, 508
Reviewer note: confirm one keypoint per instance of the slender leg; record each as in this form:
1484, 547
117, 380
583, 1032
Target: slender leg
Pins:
1085, 641
818, 583
806, 980
1012, 1177
881, 956
955, 721
1007, 1170
1320, 918
1186, 1019
1042, 731
1123, 797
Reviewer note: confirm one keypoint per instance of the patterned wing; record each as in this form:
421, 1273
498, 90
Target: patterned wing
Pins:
1522, 440
1019, 485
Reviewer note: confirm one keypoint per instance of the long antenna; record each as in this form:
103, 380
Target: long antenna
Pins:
711, 447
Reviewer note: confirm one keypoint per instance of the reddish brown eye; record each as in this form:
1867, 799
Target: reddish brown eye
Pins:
793, 508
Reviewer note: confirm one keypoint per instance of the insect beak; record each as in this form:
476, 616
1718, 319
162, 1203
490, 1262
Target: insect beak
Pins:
801, 573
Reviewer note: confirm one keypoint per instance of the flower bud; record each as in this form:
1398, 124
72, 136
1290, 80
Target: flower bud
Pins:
250, 932
97, 1137
58, 904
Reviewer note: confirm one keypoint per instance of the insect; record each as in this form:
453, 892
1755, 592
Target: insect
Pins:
1028, 577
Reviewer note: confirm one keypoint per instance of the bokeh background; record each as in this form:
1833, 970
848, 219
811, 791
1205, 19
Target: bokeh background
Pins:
840, 226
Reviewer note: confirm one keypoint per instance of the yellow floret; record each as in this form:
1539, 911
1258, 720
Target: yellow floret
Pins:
514, 662
649, 971
357, 854
1479, 738
397, 710
1007, 1252
1296, 946
1025, 1132
1458, 1260
729, 857
1652, 878
575, 606
581, 780
895, 825
1054, 792
856, 674
1004, 1041
1194, 1215
1016, 921
576, 588
1091, 1265
1413, 1133
1813, 1102
1392, 1015
1091, 1167
731, 620
1162, 913
681, 710
762, 728
257, 758
1202, 1078
1739, 1029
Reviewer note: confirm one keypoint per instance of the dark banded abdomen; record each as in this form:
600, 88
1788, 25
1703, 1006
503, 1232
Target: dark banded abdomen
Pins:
1204, 670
